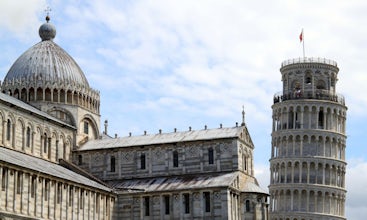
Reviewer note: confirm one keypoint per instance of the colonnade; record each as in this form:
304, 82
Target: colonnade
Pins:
36, 195
312, 144
33, 138
326, 173
88, 99
308, 200
309, 116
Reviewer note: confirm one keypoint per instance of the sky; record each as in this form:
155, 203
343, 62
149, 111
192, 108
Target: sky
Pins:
179, 64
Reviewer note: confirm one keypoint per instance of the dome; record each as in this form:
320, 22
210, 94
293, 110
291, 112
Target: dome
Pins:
46, 63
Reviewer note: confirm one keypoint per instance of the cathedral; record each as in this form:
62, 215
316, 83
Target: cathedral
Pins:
56, 163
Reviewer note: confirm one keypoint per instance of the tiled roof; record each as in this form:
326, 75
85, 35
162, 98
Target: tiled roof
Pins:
46, 167
163, 138
253, 188
184, 182
26, 107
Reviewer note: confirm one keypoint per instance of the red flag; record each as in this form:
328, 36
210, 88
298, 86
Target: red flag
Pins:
301, 36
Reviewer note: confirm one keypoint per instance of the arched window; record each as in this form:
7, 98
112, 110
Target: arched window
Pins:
175, 158
211, 156
49, 147
247, 204
28, 137
86, 127
45, 143
244, 159
321, 119
308, 78
320, 84
8, 130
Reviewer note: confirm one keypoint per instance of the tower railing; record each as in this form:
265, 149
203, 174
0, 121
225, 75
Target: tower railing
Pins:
309, 60
318, 94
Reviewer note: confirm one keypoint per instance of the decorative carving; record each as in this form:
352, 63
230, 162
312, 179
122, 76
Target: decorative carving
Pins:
157, 154
127, 156
156, 200
217, 195
196, 196
193, 151
176, 197
136, 201
97, 158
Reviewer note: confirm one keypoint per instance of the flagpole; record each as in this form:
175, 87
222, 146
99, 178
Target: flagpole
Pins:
303, 43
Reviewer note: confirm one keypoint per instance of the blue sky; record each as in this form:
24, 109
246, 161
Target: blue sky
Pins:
175, 64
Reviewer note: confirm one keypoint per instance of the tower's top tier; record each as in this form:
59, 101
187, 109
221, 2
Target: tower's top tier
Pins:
309, 78
305, 60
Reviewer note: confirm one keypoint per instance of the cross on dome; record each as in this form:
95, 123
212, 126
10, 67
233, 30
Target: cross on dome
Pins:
48, 10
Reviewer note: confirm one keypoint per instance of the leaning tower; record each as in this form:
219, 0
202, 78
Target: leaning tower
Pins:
307, 162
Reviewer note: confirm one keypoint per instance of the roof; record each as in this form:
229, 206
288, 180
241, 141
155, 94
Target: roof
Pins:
184, 182
251, 187
46, 167
163, 138
26, 107
48, 63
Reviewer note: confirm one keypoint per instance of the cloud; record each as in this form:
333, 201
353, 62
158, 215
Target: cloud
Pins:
356, 184
165, 64
21, 18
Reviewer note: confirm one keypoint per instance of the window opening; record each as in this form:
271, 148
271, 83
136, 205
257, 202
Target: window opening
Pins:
142, 161
247, 205
166, 205
86, 127
187, 202
146, 206
28, 137
175, 159
207, 201
113, 164
8, 130
211, 155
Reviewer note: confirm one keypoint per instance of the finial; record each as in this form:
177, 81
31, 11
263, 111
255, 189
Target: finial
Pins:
243, 116
47, 10
105, 126
47, 31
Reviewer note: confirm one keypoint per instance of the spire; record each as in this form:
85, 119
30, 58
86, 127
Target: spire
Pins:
243, 116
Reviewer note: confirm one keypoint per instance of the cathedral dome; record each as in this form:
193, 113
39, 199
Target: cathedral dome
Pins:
47, 77
46, 63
